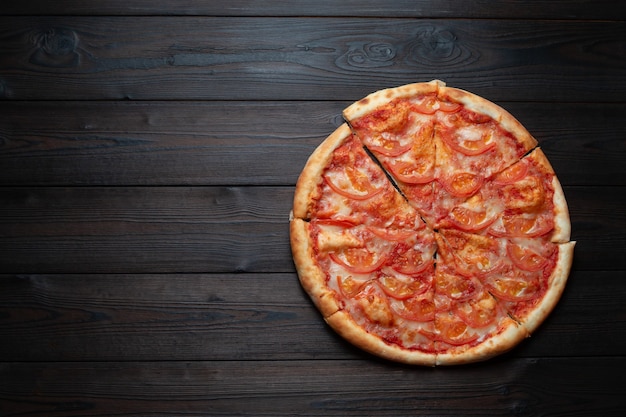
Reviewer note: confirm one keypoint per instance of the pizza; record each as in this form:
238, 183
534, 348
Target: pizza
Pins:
430, 228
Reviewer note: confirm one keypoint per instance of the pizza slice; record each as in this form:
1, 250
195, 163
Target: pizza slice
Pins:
341, 181
479, 140
525, 275
360, 249
397, 127
531, 279
470, 324
373, 286
523, 200
472, 144
529, 201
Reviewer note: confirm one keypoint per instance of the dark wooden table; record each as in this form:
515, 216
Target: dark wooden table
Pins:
148, 156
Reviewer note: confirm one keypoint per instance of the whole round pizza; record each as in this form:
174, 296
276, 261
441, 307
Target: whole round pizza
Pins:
430, 228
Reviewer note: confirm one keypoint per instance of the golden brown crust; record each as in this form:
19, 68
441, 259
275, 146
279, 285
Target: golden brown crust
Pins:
307, 185
378, 98
345, 326
556, 285
480, 105
562, 225
311, 276
510, 336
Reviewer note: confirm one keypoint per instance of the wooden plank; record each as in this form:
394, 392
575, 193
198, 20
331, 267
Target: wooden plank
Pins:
145, 317
250, 143
510, 9
145, 229
161, 143
590, 311
144, 58
523, 387
214, 229
597, 215
584, 142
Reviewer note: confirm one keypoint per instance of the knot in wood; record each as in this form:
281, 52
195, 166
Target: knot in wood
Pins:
374, 54
435, 45
56, 47
58, 41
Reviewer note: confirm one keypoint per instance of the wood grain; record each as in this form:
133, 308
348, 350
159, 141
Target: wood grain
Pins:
250, 143
148, 156
145, 229
213, 229
161, 143
509, 9
109, 317
239, 58
521, 387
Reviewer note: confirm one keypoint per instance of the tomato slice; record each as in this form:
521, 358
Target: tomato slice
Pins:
480, 266
478, 313
463, 184
514, 288
401, 290
428, 105
520, 226
526, 258
512, 174
480, 263
389, 147
357, 186
472, 255
410, 172
526, 195
412, 266
411, 261
419, 308
449, 107
470, 142
473, 118
453, 330
393, 235
395, 288
454, 286
358, 260
470, 220
342, 223
349, 287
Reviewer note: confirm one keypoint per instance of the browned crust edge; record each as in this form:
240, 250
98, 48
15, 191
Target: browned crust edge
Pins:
307, 184
556, 286
312, 278
507, 339
562, 225
483, 106
345, 326
376, 99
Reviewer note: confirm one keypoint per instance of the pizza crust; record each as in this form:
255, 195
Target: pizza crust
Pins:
562, 225
483, 106
381, 97
511, 335
345, 326
312, 278
556, 285
307, 186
